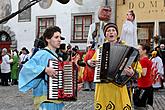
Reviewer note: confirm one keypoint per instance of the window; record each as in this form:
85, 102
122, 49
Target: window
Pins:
161, 29
145, 32
81, 24
43, 23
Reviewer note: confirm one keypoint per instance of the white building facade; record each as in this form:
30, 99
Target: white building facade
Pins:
73, 18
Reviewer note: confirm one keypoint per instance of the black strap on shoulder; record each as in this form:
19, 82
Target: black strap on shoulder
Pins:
52, 53
42, 75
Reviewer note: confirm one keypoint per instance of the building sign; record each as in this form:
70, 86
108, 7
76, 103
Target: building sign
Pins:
151, 6
142, 33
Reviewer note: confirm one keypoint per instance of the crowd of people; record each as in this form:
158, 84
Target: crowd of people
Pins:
146, 75
11, 63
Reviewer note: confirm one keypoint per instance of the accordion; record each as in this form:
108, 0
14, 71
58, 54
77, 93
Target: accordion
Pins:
111, 61
64, 86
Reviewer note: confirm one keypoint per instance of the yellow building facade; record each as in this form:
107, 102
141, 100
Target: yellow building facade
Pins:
150, 18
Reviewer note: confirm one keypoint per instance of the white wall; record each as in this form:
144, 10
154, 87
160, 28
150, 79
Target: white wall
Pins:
26, 31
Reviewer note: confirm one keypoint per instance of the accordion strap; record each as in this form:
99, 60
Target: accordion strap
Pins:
42, 75
52, 53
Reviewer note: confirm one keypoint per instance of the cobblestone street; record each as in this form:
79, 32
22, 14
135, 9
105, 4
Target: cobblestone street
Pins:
12, 99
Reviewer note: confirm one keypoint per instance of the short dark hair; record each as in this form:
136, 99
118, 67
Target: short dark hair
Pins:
49, 32
24, 48
62, 46
146, 47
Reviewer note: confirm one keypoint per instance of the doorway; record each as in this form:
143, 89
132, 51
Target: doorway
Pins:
5, 40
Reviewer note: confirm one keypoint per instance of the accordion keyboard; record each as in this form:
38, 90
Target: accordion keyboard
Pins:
55, 82
64, 86
98, 65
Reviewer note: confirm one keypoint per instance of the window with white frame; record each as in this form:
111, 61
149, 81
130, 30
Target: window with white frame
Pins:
43, 23
81, 24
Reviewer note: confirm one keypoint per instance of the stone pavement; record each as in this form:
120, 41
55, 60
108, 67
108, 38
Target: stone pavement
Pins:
84, 102
12, 99
159, 100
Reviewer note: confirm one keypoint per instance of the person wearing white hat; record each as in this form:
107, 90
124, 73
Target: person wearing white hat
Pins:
95, 33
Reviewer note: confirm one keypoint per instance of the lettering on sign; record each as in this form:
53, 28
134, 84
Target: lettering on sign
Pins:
152, 6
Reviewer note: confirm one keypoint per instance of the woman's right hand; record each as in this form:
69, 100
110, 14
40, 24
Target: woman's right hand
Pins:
92, 63
51, 72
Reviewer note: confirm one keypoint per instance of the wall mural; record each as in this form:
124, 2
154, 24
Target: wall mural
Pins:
45, 3
5, 8
79, 2
24, 16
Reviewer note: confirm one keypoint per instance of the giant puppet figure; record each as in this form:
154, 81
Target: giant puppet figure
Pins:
95, 39
95, 34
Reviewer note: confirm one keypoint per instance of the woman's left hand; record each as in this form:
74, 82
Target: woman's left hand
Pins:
129, 71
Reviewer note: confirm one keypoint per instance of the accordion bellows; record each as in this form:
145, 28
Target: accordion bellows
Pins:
112, 59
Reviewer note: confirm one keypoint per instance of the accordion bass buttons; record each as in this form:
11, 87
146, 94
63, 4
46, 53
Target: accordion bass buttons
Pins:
112, 59
106, 60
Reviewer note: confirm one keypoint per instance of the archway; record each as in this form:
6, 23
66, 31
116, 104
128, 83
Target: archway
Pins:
5, 40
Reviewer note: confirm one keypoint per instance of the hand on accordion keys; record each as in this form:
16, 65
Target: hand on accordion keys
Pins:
129, 71
51, 72
91, 62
